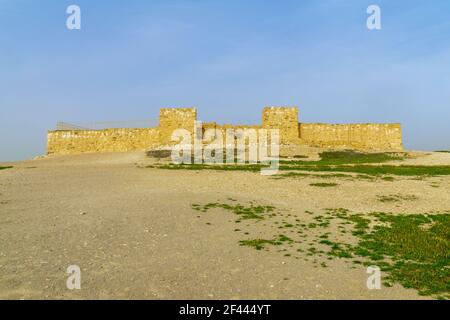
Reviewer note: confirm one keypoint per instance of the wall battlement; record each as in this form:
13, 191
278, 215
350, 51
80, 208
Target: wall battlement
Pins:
362, 137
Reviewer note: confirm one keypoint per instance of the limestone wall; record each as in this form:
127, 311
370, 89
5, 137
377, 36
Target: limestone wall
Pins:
364, 137
109, 140
223, 128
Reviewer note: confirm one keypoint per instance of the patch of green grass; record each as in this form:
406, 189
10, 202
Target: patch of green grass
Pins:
323, 184
294, 174
325, 241
396, 198
283, 238
327, 158
311, 175
4, 168
322, 221
413, 249
260, 244
339, 252
349, 157
360, 223
218, 167
251, 212
337, 211
374, 170
443, 151
364, 171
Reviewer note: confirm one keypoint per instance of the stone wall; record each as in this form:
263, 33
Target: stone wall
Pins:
109, 140
124, 139
363, 137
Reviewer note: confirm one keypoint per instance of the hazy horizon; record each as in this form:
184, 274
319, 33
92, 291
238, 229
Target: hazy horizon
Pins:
227, 58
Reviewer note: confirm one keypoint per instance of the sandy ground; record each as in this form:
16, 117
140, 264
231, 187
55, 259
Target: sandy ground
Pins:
134, 234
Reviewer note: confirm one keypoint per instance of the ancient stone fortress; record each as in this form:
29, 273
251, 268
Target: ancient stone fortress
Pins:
362, 137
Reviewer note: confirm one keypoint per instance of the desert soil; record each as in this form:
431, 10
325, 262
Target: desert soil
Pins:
133, 233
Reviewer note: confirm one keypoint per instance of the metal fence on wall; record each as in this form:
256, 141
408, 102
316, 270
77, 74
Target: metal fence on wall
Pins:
149, 123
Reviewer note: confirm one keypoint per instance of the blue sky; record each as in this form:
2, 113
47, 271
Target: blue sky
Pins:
229, 58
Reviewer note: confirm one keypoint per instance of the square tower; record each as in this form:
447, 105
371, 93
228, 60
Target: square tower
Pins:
171, 119
285, 119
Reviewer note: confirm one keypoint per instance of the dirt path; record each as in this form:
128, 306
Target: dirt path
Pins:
134, 234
